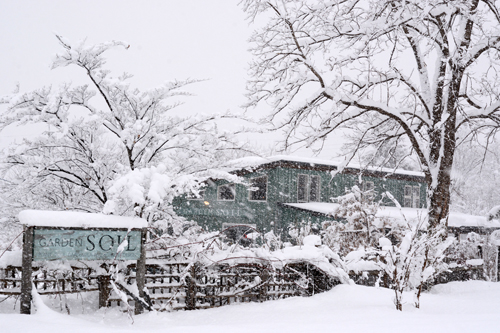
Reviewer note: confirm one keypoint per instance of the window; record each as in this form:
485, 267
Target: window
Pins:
302, 188
407, 197
369, 190
308, 188
416, 196
412, 196
314, 184
226, 192
200, 196
258, 190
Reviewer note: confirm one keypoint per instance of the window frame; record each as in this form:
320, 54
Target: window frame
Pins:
408, 197
306, 188
318, 190
226, 185
250, 192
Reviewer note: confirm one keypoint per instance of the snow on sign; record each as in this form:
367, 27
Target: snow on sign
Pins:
83, 236
78, 244
53, 235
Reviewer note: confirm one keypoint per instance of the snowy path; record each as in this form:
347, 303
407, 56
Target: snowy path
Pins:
456, 307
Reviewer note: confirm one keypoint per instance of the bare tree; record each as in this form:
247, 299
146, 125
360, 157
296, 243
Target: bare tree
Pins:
93, 137
475, 178
408, 71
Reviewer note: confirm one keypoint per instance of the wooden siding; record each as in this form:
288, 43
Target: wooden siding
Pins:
328, 168
282, 185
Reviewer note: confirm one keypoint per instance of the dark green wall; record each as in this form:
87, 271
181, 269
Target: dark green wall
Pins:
342, 182
241, 210
281, 188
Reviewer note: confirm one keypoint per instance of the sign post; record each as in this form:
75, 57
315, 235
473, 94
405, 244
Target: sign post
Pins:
26, 285
140, 274
81, 236
104, 290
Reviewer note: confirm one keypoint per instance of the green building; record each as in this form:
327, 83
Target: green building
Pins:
286, 190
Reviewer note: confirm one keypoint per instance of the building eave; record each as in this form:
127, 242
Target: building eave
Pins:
317, 166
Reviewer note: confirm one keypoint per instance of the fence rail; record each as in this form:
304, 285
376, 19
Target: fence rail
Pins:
49, 282
185, 286
179, 285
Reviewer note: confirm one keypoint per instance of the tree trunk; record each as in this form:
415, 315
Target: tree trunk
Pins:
398, 299
443, 145
439, 203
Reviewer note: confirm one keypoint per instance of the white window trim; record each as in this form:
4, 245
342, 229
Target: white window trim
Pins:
410, 197
267, 189
218, 192
368, 182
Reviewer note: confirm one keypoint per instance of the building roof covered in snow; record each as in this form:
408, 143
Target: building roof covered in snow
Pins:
456, 220
253, 163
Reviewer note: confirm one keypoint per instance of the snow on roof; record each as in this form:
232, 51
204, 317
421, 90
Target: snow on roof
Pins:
69, 219
455, 219
255, 161
494, 213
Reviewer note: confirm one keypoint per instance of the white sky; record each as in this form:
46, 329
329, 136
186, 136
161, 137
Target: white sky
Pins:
168, 39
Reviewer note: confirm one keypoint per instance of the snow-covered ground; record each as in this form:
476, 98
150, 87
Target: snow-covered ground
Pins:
454, 307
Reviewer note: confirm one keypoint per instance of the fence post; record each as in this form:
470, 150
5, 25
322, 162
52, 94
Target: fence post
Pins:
104, 290
498, 264
27, 270
140, 274
264, 278
191, 289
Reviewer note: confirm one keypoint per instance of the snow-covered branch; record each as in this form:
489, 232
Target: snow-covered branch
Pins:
429, 70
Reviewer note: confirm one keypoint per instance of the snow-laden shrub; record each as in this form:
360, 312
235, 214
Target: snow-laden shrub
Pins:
415, 261
405, 254
465, 249
355, 224
298, 231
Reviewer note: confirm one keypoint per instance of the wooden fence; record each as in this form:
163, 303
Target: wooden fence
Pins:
185, 286
49, 282
181, 285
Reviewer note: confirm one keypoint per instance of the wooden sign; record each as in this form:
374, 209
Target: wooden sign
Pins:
65, 235
86, 244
